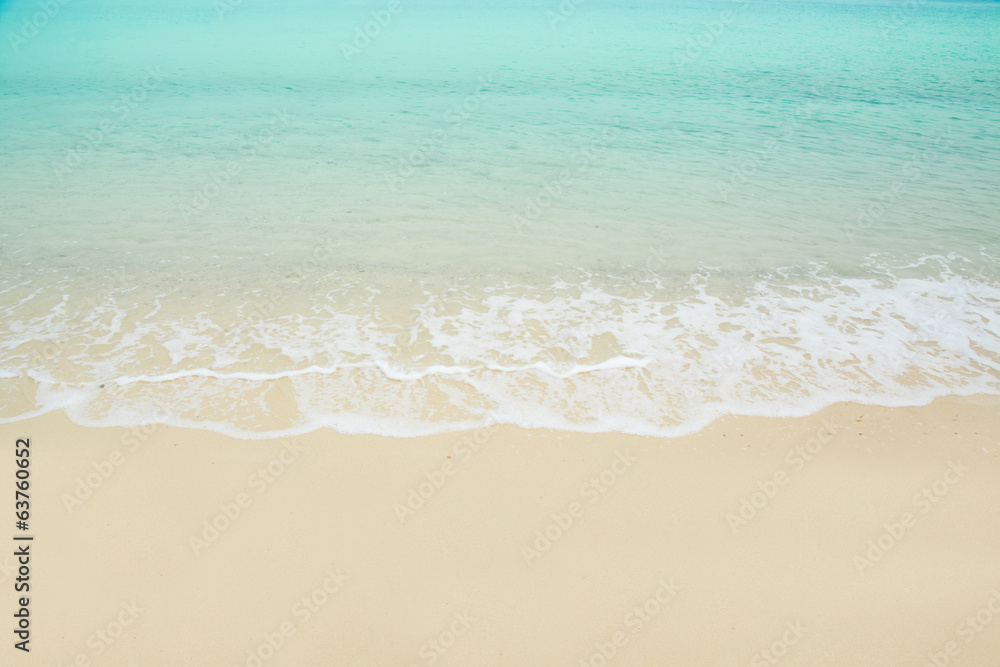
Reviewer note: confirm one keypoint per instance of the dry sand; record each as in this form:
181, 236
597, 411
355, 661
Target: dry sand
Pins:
881, 547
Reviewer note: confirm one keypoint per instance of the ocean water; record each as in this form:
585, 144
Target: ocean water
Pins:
265, 217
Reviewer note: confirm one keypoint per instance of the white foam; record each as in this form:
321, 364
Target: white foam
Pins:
583, 356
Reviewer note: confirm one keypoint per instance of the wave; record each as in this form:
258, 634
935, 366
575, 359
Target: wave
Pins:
640, 353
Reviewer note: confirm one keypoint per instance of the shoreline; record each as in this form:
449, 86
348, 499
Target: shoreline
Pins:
812, 537
640, 357
422, 430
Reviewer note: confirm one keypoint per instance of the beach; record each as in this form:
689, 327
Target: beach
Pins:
479, 333
856, 535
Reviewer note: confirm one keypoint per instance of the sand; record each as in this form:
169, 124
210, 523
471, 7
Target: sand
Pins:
856, 536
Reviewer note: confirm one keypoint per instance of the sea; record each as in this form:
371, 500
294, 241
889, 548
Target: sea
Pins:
406, 217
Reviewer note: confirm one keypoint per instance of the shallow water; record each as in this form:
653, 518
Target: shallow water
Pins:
633, 217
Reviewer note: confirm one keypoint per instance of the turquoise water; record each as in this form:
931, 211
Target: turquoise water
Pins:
630, 216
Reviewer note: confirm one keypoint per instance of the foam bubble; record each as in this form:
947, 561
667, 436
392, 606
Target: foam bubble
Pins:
596, 354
